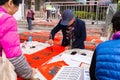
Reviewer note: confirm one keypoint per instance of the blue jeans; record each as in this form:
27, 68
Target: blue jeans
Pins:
29, 21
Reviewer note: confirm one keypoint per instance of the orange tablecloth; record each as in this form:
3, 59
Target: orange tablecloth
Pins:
40, 57
50, 70
43, 36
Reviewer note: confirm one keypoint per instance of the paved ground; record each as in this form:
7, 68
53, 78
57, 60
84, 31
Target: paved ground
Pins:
38, 24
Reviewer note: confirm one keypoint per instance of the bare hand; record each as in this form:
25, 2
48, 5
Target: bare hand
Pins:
51, 42
67, 47
34, 71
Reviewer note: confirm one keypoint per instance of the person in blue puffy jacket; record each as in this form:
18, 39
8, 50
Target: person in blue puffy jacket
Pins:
105, 64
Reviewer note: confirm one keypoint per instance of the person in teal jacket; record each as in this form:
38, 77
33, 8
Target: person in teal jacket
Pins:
105, 64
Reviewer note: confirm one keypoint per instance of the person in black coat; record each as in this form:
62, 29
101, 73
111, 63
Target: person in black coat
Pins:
73, 30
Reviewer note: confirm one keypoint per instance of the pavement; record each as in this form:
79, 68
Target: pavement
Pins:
38, 24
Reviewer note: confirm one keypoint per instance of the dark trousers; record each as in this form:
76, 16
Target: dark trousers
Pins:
48, 14
29, 21
53, 15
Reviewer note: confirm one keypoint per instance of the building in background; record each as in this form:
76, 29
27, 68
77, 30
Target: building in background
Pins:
20, 13
38, 4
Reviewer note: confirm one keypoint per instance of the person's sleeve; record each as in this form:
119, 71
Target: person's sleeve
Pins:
92, 67
83, 31
22, 67
33, 12
10, 40
55, 30
81, 35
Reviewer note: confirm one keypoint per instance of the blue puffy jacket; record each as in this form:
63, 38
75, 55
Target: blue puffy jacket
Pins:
106, 61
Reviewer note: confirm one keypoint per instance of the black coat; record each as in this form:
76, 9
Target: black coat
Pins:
79, 33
